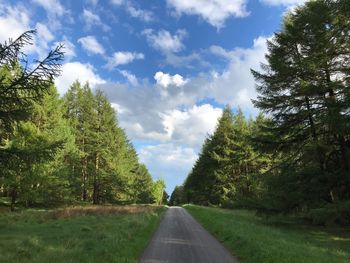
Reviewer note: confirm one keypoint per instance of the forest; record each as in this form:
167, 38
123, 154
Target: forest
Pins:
62, 150
294, 157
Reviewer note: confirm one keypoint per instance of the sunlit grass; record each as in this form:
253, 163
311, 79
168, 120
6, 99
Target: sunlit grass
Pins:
101, 234
254, 239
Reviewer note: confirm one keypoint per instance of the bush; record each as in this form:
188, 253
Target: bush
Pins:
336, 213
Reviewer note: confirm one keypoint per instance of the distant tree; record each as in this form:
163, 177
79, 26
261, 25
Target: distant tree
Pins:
178, 196
165, 199
142, 185
158, 191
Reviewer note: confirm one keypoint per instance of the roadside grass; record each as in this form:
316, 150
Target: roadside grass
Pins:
80, 234
253, 239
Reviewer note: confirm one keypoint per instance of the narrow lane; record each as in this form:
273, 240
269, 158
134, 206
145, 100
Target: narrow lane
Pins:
180, 238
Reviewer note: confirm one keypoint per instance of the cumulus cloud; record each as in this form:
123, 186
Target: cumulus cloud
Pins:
73, 71
90, 44
14, 20
164, 79
236, 85
153, 115
176, 121
168, 161
122, 58
192, 125
215, 12
168, 154
164, 41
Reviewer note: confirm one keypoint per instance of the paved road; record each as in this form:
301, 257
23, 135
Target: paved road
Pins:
180, 238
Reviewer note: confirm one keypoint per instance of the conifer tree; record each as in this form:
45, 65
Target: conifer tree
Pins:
305, 89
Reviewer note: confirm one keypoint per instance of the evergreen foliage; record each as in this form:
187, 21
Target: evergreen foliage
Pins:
56, 150
298, 159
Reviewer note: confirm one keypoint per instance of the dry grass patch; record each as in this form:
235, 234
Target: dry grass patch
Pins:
69, 212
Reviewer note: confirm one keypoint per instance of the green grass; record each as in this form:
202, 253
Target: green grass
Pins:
35, 236
253, 239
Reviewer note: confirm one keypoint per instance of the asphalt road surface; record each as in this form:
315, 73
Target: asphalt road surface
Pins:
180, 238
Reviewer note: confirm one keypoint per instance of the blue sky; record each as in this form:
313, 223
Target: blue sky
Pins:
167, 66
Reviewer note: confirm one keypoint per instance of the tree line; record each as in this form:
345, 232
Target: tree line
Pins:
55, 150
296, 157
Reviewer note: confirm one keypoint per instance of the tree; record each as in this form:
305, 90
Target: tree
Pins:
19, 85
304, 87
158, 191
22, 146
178, 196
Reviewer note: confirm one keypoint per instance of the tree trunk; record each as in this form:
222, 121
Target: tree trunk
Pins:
13, 198
96, 185
314, 134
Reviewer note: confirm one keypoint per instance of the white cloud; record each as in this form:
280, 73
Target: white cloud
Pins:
13, 22
73, 71
51, 6
92, 19
122, 58
168, 154
283, 2
168, 161
164, 41
236, 85
164, 79
215, 12
192, 125
130, 77
118, 108
44, 33
42, 40
90, 44
69, 48
143, 15
177, 124
134, 11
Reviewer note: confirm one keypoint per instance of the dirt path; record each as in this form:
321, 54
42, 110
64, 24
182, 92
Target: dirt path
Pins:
180, 238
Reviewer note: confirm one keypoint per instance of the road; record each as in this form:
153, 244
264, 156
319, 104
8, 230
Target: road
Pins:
180, 238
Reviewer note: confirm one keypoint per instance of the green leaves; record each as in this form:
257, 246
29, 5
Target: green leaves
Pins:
226, 170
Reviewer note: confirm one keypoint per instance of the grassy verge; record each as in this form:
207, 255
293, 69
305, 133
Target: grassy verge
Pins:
83, 234
253, 239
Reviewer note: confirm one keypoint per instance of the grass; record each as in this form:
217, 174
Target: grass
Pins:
81, 234
253, 239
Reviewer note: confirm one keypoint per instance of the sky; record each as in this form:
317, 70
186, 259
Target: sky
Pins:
167, 66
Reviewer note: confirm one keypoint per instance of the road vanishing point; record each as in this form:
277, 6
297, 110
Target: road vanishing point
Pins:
180, 238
